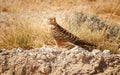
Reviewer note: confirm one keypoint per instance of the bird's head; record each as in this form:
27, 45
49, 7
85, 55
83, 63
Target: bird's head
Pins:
52, 21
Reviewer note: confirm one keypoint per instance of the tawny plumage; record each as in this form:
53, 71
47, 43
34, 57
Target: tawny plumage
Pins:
61, 35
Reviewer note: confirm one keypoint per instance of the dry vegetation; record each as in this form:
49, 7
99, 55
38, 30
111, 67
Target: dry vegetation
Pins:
23, 22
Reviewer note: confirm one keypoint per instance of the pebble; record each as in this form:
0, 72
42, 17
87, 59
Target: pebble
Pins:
96, 51
106, 51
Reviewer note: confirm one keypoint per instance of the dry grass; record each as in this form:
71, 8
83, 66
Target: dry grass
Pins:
19, 32
28, 34
97, 38
112, 7
15, 34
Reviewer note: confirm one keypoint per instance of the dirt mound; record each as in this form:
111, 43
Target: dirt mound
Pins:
54, 61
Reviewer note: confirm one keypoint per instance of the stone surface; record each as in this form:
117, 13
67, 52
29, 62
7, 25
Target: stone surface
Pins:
55, 61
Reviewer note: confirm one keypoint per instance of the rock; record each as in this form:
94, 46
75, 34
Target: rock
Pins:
20, 49
52, 62
106, 52
96, 51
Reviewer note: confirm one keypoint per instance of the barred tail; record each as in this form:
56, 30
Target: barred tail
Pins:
85, 45
83, 42
76, 40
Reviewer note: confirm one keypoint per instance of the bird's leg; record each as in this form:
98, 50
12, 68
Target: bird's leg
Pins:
58, 43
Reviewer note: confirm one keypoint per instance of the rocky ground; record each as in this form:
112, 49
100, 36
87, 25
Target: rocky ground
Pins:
58, 61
